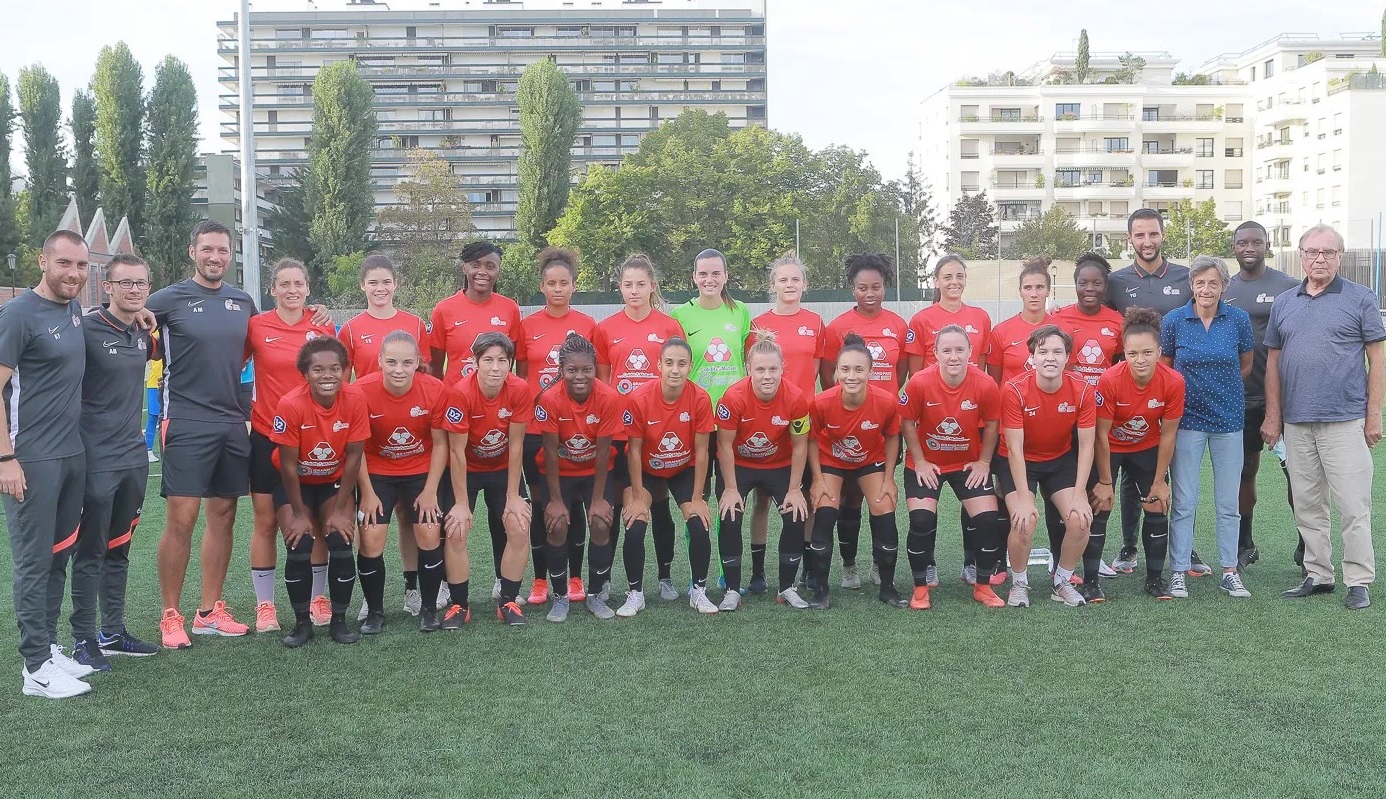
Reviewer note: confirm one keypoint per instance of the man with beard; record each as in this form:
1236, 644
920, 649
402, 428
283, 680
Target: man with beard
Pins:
1150, 281
1254, 290
42, 460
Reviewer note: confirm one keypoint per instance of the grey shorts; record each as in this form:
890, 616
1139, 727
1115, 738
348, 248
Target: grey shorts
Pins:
205, 459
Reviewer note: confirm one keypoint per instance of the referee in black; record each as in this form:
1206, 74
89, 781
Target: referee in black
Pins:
1150, 281
118, 352
42, 462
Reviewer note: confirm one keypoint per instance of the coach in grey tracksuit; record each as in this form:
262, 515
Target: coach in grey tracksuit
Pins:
42, 462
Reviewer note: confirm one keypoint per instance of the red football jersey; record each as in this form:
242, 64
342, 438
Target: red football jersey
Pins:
631, 348
1096, 339
487, 422
1138, 414
579, 426
402, 427
1009, 346
457, 321
1047, 419
364, 334
850, 439
274, 344
800, 338
543, 335
763, 429
320, 434
884, 334
950, 419
668, 428
924, 327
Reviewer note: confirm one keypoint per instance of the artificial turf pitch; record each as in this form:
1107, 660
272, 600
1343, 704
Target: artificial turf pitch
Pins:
1209, 696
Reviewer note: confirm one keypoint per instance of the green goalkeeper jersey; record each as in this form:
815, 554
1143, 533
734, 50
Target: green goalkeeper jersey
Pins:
718, 340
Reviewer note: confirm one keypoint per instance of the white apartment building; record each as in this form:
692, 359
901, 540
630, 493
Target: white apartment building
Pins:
1099, 149
1319, 113
445, 76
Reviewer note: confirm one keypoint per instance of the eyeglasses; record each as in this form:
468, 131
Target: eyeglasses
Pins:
126, 285
1327, 255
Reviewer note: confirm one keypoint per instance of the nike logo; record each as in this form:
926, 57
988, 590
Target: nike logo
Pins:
38, 682
692, 333
377, 416
833, 426
194, 303
305, 427
104, 343
1122, 404
932, 404
536, 338
752, 419
272, 339
348, 579
287, 580
604, 571
652, 421
1032, 410
52, 331
564, 419
1015, 343
618, 340
459, 322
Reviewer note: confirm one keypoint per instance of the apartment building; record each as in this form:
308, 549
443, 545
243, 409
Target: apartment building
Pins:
218, 197
445, 76
1122, 140
1319, 109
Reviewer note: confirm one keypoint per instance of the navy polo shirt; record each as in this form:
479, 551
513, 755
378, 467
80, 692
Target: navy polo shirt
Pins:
1211, 362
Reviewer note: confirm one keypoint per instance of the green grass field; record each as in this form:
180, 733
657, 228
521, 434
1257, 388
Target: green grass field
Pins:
1209, 696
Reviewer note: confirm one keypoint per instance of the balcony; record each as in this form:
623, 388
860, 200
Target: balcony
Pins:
231, 102
1183, 123
1166, 190
1018, 159
1274, 149
1094, 122
1168, 159
1278, 185
542, 44
1016, 190
1008, 124
1288, 112
230, 75
1094, 157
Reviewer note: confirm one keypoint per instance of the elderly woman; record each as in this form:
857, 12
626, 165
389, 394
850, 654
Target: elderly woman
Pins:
1210, 343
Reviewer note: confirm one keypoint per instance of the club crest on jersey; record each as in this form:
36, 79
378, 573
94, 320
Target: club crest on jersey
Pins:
637, 360
279, 424
1091, 351
1154, 403
968, 405
1172, 291
1107, 331
1065, 407
497, 321
888, 333
805, 330
654, 338
593, 418
971, 331
1263, 298
339, 425
717, 351
141, 345
722, 412
670, 442
416, 412
779, 421
454, 415
684, 417
310, 335
232, 305
76, 322
867, 424
504, 413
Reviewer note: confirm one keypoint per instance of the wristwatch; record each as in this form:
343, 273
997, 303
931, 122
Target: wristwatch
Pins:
8, 458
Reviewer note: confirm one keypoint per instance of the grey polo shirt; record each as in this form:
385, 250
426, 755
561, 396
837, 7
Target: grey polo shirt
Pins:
113, 393
1323, 342
41, 341
1162, 291
1256, 298
203, 340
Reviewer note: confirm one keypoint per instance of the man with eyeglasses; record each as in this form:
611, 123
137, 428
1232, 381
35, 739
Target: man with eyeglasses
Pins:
1254, 289
1325, 384
117, 351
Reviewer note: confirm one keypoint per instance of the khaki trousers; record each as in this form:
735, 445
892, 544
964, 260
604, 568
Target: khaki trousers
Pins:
1331, 460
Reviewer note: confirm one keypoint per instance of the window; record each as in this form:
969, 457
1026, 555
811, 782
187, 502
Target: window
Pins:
1253, 73
1203, 148
1162, 177
511, 31
1067, 178
1269, 68
1119, 144
1152, 113
1337, 159
1006, 114
1094, 178
1203, 179
1150, 147
1067, 110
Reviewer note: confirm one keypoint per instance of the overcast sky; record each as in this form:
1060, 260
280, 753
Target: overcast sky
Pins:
846, 72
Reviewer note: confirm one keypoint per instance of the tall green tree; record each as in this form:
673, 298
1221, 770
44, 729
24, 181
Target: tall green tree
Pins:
118, 85
1053, 233
171, 174
45, 155
289, 220
1081, 71
338, 187
10, 233
86, 176
919, 226
971, 229
1193, 230
549, 118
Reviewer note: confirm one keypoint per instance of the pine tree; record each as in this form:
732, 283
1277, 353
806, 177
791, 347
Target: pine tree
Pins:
45, 155
118, 85
86, 176
971, 229
549, 118
10, 234
171, 175
338, 186
1080, 66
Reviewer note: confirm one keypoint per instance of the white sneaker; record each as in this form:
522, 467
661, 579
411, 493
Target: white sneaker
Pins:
850, 578
1232, 584
1019, 596
67, 664
52, 682
697, 599
791, 598
667, 591
635, 602
875, 575
152, 457
363, 612
1066, 593
1104, 571
931, 577
1178, 585
969, 575
444, 597
413, 601
730, 602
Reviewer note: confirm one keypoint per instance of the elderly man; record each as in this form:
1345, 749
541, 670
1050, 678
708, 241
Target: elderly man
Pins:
1325, 380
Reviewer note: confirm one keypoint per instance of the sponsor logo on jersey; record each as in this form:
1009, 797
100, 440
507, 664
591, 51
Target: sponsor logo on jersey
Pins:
1091, 351
949, 427
637, 361
878, 352
490, 445
670, 442
1133, 431
757, 446
717, 352
849, 450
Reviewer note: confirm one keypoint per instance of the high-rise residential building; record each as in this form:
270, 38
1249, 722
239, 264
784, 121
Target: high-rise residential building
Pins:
445, 76
1319, 109
218, 197
1125, 137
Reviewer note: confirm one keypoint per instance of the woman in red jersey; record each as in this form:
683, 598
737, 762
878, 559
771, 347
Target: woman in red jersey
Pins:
405, 458
950, 281
950, 418
1136, 398
856, 432
884, 334
458, 320
628, 344
668, 423
486, 418
544, 332
1095, 327
273, 340
577, 416
363, 337
1008, 354
799, 335
1040, 412
320, 432
762, 444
